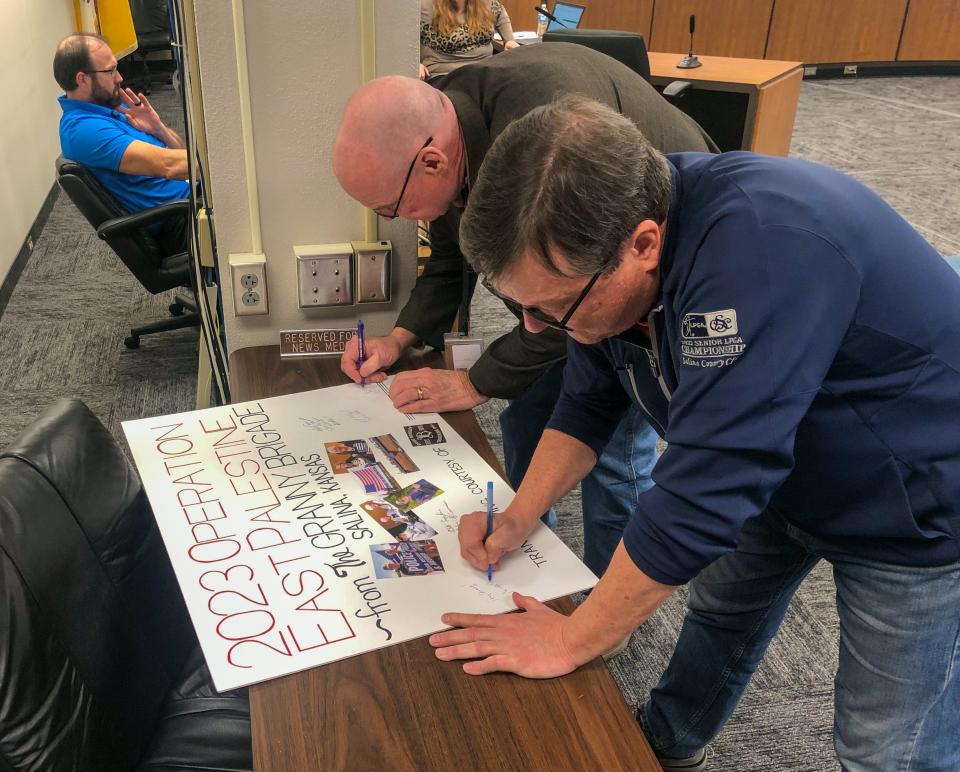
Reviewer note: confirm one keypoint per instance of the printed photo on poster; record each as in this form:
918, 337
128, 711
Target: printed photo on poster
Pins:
348, 454
402, 526
395, 453
376, 479
414, 495
409, 558
425, 434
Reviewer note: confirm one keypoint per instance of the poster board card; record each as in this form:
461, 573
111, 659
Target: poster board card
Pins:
290, 520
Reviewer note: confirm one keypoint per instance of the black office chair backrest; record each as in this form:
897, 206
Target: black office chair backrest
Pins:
137, 248
94, 630
625, 47
151, 20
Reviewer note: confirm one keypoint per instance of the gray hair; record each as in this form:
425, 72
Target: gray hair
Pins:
573, 177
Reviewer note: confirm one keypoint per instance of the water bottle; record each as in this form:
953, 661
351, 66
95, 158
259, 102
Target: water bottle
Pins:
541, 22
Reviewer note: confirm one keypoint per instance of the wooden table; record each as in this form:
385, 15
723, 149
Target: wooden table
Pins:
400, 708
746, 104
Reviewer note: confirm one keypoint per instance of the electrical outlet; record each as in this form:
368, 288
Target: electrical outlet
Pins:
809, 72
849, 69
249, 275
29, 243
324, 275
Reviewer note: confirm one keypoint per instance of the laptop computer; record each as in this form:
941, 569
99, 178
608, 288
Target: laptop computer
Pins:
567, 14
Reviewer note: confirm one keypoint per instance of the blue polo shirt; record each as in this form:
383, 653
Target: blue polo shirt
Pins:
97, 137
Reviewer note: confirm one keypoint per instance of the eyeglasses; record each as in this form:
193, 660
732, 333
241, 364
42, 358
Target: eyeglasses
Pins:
535, 313
112, 71
406, 180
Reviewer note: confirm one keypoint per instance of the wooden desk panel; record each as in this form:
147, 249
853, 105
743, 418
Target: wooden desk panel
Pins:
744, 73
772, 89
630, 15
931, 31
822, 31
403, 709
730, 28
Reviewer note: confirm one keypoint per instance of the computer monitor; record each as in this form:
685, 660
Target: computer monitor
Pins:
567, 14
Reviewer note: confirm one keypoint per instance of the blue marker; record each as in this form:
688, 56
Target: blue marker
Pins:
361, 353
489, 525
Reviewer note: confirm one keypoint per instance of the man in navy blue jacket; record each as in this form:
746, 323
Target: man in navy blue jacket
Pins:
797, 344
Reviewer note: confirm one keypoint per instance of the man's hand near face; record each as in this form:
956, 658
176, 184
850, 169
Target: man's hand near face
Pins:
141, 115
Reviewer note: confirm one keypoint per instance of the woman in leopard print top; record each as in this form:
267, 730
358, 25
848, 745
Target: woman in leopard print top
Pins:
457, 32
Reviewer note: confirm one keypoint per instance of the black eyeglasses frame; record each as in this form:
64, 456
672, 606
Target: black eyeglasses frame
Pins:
535, 313
406, 181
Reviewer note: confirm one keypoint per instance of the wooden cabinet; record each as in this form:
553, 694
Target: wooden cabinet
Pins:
822, 31
630, 15
744, 104
735, 28
931, 31
808, 31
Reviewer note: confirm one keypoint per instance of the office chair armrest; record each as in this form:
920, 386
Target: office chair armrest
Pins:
129, 222
676, 88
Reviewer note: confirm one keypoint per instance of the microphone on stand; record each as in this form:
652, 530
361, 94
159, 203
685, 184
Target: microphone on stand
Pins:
690, 60
544, 12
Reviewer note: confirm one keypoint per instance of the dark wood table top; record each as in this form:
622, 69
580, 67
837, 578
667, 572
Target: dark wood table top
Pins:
400, 708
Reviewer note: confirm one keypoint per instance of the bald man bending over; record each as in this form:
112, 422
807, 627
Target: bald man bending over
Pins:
406, 149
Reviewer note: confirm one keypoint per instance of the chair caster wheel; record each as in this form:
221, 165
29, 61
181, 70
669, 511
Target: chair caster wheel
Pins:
176, 309
132, 341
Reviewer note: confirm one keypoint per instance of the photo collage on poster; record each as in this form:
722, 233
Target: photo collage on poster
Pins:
414, 552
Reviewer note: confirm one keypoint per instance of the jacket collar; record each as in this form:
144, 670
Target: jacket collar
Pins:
473, 128
674, 215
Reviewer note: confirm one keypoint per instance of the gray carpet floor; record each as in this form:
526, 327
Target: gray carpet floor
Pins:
62, 331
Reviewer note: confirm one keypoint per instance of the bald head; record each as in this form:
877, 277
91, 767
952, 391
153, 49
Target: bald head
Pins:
73, 56
384, 123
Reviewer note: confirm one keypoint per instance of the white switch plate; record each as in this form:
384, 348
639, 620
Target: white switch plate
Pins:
324, 275
249, 275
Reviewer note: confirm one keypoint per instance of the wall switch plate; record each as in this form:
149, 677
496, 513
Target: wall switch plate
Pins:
249, 275
373, 270
324, 275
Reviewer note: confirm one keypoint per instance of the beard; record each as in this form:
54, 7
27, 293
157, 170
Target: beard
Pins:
101, 96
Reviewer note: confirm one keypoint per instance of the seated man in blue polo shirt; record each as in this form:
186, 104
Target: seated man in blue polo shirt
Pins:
118, 135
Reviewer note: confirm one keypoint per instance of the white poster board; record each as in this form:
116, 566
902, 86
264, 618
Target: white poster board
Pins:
312, 527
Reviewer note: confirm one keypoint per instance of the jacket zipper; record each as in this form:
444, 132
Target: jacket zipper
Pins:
654, 347
636, 393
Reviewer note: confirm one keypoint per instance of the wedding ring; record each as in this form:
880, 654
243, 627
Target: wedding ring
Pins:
420, 393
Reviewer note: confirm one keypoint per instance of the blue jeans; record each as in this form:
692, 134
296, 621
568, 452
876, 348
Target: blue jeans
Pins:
609, 492
897, 689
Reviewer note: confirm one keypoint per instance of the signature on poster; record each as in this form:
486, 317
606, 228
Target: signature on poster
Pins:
320, 424
490, 590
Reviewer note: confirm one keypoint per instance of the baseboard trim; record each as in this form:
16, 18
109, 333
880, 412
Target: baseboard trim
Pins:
879, 69
23, 255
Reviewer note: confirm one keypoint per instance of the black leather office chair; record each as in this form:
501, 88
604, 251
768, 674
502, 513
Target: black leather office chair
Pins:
625, 47
99, 665
628, 48
151, 20
128, 236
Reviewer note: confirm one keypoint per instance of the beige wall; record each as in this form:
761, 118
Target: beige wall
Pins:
29, 113
303, 61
